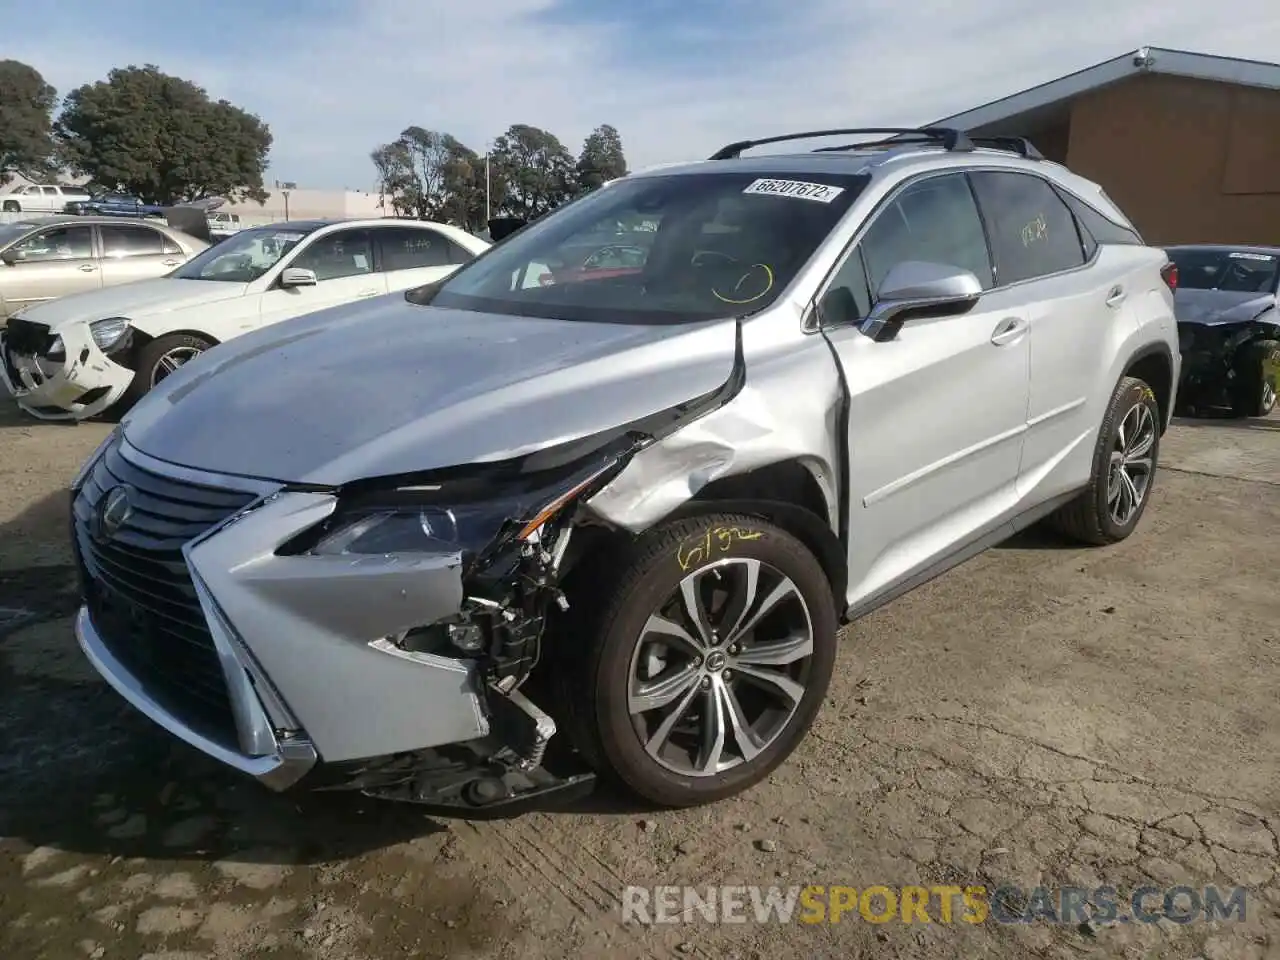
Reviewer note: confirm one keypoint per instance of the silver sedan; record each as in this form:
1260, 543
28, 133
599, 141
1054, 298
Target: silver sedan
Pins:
43, 258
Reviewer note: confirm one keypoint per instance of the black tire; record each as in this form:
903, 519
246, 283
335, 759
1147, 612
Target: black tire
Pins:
594, 678
1257, 368
12, 206
1088, 518
147, 358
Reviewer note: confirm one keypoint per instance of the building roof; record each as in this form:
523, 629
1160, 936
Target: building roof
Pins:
1048, 98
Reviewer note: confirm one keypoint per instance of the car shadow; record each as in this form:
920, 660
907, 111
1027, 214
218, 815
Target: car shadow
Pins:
1228, 422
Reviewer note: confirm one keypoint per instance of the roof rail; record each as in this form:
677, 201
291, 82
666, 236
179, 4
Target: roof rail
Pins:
1019, 145
949, 138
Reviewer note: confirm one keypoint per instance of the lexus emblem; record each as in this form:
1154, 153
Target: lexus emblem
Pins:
113, 510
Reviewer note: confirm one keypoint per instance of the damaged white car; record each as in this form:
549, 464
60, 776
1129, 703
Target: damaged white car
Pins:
484, 541
80, 355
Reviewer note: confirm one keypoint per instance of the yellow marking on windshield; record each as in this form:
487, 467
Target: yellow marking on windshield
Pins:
768, 272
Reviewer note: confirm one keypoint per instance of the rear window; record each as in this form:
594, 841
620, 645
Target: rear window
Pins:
662, 249
1236, 271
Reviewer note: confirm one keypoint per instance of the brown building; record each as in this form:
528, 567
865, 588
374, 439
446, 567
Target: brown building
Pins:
1187, 144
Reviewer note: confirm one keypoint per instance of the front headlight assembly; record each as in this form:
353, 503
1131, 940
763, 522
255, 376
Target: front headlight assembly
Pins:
466, 517
109, 333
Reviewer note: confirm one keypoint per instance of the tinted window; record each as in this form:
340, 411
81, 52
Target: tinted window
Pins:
50, 191
404, 248
1032, 232
347, 253
1239, 271
848, 298
1095, 225
65, 243
130, 242
934, 220
715, 245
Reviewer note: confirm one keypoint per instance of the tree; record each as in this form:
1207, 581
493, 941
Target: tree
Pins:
26, 121
538, 172
601, 159
414, 171
160, 137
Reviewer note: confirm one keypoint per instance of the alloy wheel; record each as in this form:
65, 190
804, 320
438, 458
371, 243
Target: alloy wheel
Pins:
171, 361
720, 668
1268, 396
1132, 464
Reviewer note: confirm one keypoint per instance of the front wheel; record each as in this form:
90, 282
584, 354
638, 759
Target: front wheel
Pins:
1257, 369
1124, 469
12, 206
159, 358
714, 646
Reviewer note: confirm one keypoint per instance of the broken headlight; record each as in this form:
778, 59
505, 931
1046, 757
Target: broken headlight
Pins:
467, 518
424, 529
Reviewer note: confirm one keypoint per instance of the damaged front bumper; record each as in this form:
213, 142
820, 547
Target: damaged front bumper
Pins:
276, 664
62, 376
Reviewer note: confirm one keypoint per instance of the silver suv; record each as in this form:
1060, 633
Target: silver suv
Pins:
396, 545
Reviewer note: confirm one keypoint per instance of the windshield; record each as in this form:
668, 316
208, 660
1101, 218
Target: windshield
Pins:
665, 249
1237, 271
12, 231
242, 257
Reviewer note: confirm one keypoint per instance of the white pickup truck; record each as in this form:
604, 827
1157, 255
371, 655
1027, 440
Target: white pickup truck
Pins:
42, 198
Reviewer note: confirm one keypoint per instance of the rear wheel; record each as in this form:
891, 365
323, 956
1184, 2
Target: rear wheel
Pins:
713, 650
1253, 392
1124, 469
159, 358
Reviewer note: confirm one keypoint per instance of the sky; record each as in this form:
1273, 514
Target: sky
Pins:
678, 78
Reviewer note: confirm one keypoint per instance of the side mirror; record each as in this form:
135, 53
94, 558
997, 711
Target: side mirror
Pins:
10, 257
914, 290
297, 277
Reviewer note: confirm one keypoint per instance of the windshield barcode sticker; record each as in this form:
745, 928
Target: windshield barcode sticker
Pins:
795, 188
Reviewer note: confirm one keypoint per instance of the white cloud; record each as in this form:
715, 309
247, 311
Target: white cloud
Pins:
332, 88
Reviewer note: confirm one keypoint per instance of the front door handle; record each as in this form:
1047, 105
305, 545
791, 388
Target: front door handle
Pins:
87, 268
1116, 297
1009, 330
170, 263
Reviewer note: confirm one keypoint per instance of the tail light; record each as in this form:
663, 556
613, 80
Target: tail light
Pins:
1169, 273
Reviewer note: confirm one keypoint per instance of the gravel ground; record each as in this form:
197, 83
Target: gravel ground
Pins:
1042, 715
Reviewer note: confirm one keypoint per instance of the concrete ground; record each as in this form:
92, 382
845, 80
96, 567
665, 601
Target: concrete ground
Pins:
1042, 715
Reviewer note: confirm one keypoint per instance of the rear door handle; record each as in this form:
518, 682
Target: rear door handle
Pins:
1116, 297
87, 268
367, 293
1009, 330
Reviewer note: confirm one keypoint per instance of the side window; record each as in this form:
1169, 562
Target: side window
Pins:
1097, 226
347, 253
128, 241
1033, 234
459, 253
49, 191
847, 298
934, 220
406, 248
170, 245
64, 243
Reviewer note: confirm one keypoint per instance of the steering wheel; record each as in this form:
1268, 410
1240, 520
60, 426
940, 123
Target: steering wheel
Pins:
711, 257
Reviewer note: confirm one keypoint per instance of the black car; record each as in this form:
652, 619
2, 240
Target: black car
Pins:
1228, 327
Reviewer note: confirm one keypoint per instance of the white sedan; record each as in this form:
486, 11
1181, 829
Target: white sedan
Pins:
75, 357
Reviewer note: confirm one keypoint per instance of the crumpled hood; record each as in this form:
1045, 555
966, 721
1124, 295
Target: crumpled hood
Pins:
133, 300
387, 387
1214, 307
